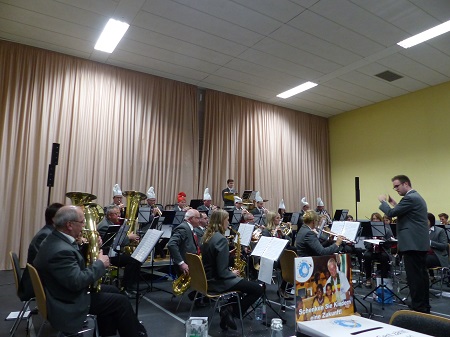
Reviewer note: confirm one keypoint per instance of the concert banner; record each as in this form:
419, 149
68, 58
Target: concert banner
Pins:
323, 287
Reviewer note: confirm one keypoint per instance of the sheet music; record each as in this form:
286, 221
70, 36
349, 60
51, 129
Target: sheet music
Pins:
265, 270
146, 245
269, 247
349, 229
246, 231
374, 241
167, 231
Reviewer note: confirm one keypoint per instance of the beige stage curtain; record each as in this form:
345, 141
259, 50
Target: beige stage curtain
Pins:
280, 152
114, 126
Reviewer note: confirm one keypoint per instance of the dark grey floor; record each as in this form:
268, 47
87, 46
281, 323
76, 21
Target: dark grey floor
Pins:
157, 311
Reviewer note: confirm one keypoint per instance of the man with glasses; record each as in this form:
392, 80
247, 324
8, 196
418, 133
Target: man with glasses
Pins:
66, 280
132, 266
413, 238
185, 240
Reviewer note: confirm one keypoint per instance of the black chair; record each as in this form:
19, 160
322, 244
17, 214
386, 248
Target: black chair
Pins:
420, 322
25, 299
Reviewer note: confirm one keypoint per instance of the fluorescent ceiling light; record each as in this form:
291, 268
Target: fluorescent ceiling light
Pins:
111, 35
298, 89
426, 35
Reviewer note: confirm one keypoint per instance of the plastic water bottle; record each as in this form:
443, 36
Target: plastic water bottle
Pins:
276, 327
258, 314
264, 311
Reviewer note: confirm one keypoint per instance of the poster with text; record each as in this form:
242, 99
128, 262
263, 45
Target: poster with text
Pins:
323, 287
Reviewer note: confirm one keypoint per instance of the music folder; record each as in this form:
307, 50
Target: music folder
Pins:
146, 245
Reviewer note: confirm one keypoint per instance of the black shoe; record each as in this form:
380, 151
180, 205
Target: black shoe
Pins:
199, 303
191, 295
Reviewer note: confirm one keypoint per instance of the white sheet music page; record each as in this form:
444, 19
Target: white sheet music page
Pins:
351, 229
270, 248
167, 231
146, 245
246, 231
265, 270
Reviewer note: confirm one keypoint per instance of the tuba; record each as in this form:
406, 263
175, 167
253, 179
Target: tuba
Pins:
181, 284
93, 215
133, 200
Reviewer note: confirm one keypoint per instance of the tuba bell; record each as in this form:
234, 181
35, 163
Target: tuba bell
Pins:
133, 200
181, 284
92, 214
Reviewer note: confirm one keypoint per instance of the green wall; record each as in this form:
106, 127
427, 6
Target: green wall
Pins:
406, 135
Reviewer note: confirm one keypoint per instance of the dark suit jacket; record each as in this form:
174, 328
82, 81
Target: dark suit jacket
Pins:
215, 257
102, 228
203, 208
181, 242
307, 244
412, 222
25, 287
66, 280
439, 245
256, 211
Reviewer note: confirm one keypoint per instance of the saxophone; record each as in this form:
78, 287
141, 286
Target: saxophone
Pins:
239, 264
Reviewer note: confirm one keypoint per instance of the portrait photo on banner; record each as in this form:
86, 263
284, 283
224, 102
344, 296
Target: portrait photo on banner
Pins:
323, 287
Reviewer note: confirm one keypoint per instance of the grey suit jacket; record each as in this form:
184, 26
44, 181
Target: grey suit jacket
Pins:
215, 257
412, 222
102, 228
25, 287
307, 244
439, 245
66, 280
181, 242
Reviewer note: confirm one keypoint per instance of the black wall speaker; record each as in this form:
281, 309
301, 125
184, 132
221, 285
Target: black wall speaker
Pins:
357, 194
51, 175
55, 154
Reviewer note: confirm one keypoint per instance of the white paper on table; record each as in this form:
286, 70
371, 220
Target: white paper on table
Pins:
265, 270
246, 231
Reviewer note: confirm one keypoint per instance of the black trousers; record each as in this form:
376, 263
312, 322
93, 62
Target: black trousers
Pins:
114, 313
381, 257
132, 269
418, 282
250, 292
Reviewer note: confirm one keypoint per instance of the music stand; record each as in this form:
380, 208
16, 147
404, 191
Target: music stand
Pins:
144, 214
195, 203
377, 228
114, 249
109, 236
179, 218
146, 245
340, 214
168, 217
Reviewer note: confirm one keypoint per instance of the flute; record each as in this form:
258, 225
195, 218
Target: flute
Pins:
336, 234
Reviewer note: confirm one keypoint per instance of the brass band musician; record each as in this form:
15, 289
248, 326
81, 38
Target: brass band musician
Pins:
220, 278
118, 200
181, 205
375, 252
307, 242
259, 209
207, 206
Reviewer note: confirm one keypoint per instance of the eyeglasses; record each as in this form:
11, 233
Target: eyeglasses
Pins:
397, 186
84, 221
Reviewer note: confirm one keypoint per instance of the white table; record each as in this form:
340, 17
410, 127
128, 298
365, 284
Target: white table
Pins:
352, 326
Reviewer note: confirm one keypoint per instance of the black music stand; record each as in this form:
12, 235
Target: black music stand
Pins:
168, 217
115, 248
377, 228
340, 214
179, 218
142, 251
295, 218
109, 236
195, 203
234, 218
